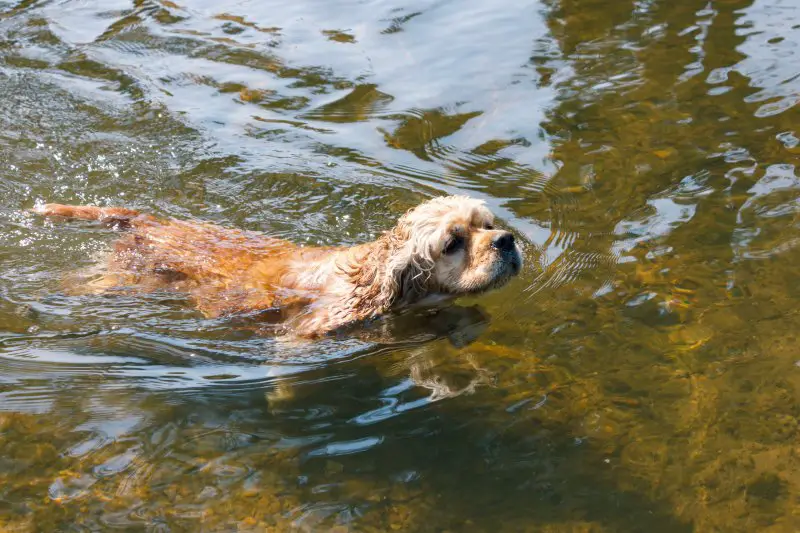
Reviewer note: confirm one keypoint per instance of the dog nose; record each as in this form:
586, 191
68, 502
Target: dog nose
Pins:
504, 241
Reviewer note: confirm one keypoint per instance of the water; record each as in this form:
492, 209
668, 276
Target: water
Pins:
641, 374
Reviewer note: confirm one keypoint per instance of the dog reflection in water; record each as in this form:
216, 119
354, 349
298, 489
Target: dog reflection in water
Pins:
444, 248
422, 343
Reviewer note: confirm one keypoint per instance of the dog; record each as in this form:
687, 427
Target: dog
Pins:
444, 248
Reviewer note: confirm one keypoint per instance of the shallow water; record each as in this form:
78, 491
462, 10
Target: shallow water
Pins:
641, 374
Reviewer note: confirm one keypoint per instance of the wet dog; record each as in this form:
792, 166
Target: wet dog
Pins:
444, 248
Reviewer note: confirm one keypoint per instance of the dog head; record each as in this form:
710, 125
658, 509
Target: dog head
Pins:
449, 246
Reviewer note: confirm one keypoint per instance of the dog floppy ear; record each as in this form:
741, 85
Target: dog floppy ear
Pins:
392, 270
410, 261
398, 267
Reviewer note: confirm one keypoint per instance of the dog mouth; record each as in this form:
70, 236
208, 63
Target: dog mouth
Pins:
507, 266
503, 268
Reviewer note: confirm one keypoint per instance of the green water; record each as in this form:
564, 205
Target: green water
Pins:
642, 374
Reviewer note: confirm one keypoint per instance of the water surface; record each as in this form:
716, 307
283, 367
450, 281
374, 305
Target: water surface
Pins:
642, 374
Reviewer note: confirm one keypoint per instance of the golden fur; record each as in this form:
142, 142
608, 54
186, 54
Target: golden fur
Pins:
443, 247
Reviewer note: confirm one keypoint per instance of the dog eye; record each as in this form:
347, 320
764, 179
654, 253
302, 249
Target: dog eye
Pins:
453, 244
488, 226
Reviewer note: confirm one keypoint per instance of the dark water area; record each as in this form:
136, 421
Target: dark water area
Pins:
641, 374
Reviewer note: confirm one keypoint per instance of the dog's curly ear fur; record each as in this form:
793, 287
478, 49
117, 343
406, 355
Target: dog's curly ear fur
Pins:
395, 269
409, 265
